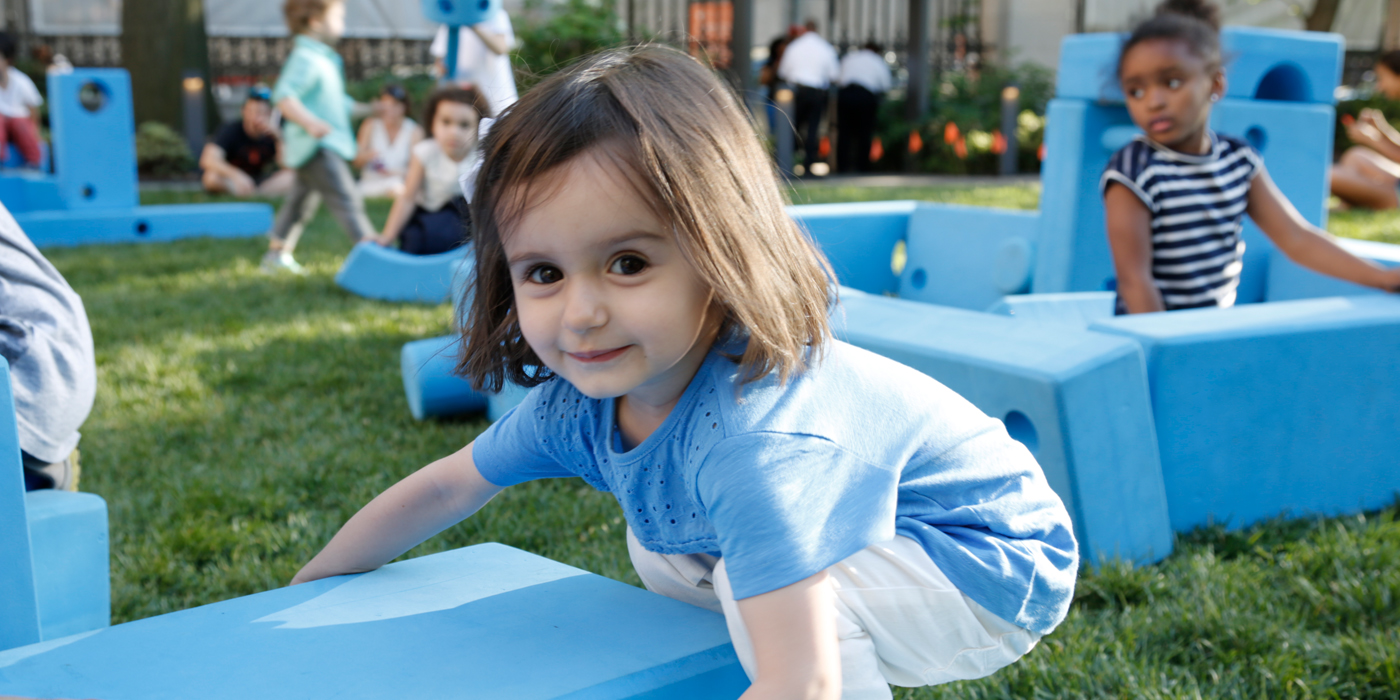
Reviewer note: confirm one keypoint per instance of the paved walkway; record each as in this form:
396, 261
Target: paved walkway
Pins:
893, 180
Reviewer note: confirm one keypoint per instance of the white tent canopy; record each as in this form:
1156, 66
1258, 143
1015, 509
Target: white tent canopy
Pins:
363, 18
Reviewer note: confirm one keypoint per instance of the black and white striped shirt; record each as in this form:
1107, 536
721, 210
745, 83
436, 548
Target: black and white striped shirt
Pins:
1197, 202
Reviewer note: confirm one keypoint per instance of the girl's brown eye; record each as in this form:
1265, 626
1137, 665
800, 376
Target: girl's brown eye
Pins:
628, 265
544, 274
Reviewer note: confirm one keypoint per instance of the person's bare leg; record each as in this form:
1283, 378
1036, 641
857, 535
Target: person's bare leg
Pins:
1365, 178
213, 182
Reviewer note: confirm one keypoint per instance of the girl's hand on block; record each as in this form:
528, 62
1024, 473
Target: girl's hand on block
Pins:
1392, 280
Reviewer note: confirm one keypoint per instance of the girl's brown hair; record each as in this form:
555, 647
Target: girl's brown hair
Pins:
300, 13
687, 145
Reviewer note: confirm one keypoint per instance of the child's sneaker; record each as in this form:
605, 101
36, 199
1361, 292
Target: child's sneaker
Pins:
278, 262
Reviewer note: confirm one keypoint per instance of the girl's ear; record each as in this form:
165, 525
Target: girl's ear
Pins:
1217, 88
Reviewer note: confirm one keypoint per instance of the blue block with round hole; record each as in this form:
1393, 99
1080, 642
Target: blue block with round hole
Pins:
1289, 280
92, 125
859, 239
1077, 399
377, 272
967, 257
1285, 408
459, 13
1260, 64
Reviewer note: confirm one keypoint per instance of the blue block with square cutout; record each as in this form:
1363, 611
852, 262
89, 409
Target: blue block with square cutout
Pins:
54, 576
1077, 399
486, 621
1271, 409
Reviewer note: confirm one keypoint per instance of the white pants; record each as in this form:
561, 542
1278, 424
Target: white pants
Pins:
898, 618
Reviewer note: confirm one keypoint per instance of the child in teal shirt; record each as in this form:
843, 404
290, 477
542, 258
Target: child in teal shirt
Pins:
316, 140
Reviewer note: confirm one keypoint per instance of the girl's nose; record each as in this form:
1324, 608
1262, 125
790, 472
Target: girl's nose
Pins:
584, 309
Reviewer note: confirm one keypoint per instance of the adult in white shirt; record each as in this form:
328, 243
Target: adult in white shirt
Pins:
809, 64
865, 77
19, 101
483, 59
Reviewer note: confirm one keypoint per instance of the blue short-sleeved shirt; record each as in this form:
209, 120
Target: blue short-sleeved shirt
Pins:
785, 481
314, 73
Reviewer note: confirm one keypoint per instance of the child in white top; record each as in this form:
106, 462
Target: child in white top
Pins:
19, 103
425, 218
856, 522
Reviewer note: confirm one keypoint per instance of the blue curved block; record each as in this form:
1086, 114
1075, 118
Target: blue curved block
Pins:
1260, 64
486, 621
429, 380
376, 272
1269, 409
1077, 399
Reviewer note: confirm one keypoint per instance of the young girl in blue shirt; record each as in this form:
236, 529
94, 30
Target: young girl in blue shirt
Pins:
857, 523
1174, 197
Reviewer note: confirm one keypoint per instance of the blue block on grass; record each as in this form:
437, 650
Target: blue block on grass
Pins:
486, 621
93, 129
859, 239
1260, 64
377, 272
1289, 280
29, 191
1078, 309
1077, 399
460, 13
54, 577
1269, 409
968, 257
150, 224
434, 390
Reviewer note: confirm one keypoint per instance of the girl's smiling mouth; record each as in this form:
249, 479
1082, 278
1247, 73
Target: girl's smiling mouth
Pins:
598, 355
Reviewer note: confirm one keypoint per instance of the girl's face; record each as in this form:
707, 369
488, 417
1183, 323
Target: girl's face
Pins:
331, 25
605, 297
1168, 91
1387, 82
454, 127
390, 108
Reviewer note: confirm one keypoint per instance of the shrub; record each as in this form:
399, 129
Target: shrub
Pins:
555, 35
161, 152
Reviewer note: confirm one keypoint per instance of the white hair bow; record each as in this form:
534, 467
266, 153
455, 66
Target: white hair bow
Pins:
468, 180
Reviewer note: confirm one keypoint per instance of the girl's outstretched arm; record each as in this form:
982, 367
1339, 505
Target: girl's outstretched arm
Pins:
1309, 245
793, 631
427, 502
1130, 238
402, 211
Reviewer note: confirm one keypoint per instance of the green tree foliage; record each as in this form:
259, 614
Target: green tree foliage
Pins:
561, 33
161, 152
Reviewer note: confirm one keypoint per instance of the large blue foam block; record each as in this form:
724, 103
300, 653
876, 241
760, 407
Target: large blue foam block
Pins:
1078, 309
54, 577
93, 127
859, 239
1262, 64
377, 272
486, 621
149, 224
1289, 280
968, 257
1077, 399
1270, 409
460, 13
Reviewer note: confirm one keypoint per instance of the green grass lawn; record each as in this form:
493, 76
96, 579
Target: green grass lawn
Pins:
241, 419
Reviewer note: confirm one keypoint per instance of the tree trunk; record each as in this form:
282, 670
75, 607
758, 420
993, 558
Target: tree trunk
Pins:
163, 42
1320, 19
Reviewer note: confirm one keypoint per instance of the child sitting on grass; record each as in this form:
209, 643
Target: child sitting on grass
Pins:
316, 139
427, 216
856, 522
1174, 197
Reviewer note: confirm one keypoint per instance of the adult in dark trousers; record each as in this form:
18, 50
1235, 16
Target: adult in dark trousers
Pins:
810, 65
865, 77
44, 335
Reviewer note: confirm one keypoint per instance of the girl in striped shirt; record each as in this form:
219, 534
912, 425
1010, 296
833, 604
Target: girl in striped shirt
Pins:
1174, 197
